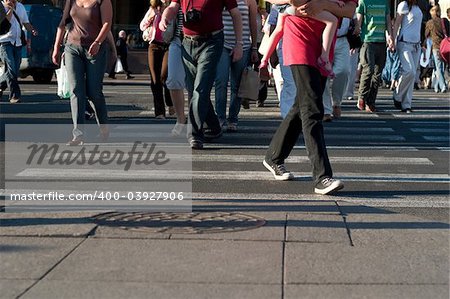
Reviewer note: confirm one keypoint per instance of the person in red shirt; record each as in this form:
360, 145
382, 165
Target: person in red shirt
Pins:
302, 44
202, 47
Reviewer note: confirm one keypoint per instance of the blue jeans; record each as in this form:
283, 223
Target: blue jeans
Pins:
227, 69
11, 57
200, 59
440, 84
85, 74
289, 91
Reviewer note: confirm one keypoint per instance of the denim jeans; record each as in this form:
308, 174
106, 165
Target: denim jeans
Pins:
11, 57
440, 84
176, 76
288, 92
305, 116
85, 74
372, 59
227, 70
335, 88
409, 55
200, 59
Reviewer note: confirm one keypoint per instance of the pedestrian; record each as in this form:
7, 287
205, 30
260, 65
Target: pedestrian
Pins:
122, 54
301, 49
176, 75
335, 87
158, 55
407, 43
434, 29
85, 55
11, 43
264, 73
228, 70
373, 19
202, 46
285, 85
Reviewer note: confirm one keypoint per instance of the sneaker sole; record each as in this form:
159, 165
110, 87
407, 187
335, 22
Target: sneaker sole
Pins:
331, 189
277, 177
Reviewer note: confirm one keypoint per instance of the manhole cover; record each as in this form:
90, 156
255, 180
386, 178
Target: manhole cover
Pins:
180, 223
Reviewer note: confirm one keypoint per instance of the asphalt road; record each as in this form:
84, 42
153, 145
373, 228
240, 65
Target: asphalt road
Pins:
389, 160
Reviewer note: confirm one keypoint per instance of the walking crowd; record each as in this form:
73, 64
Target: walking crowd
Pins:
315, 51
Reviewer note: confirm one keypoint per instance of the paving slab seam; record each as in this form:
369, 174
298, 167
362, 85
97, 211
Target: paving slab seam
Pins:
283, 258
366, 284
171, 282
53, 267
193, 239
344, 217
47, 236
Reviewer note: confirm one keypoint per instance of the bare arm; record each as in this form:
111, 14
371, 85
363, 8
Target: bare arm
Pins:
237, 25
252, 15
394, 32
57, 46
169, 13
106, 13
275, 37
314, 7
359, 21
278, 1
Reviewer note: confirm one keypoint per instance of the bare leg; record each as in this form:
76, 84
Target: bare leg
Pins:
178, 103
327, 39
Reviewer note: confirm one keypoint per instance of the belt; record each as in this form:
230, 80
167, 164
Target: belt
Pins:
202, 36
342, 36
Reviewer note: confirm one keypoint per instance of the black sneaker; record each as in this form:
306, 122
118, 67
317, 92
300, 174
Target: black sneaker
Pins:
196, 144
279, 171
245, 103
212, 134
328, 185
397, 104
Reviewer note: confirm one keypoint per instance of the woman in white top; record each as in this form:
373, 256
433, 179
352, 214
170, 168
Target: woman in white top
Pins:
409, 20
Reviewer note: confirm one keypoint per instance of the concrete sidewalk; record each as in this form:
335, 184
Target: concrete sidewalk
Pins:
227, 249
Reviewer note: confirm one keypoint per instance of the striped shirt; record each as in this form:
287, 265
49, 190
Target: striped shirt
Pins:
228, 29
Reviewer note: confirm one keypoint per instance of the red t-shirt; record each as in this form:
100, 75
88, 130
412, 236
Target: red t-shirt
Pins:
302, 40
211, 15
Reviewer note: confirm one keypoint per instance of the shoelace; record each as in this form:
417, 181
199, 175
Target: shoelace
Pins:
281, 168
326, 181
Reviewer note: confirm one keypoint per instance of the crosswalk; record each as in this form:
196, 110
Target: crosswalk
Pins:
386, 159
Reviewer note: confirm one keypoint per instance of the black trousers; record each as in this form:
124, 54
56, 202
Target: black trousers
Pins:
304, 117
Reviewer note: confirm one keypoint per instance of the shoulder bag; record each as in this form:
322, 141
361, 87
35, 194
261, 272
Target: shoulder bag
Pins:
444, 47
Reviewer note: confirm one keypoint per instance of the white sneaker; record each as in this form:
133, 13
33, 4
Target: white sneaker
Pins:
328, 185
178, 129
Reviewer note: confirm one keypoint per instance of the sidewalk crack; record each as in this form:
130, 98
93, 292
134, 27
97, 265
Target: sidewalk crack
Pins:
347, 228
51, 269
283, 258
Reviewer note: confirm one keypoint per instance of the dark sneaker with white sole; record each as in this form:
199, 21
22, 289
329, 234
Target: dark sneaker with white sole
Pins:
328, 185
212, 134
279, 171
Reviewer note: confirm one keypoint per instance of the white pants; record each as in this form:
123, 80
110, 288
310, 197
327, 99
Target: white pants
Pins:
335, 88
409, 60
350, 89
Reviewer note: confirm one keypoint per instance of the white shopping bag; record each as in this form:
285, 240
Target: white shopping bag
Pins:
63, 82
119, 67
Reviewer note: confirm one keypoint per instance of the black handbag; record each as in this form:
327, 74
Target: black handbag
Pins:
5, 25
353, 40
